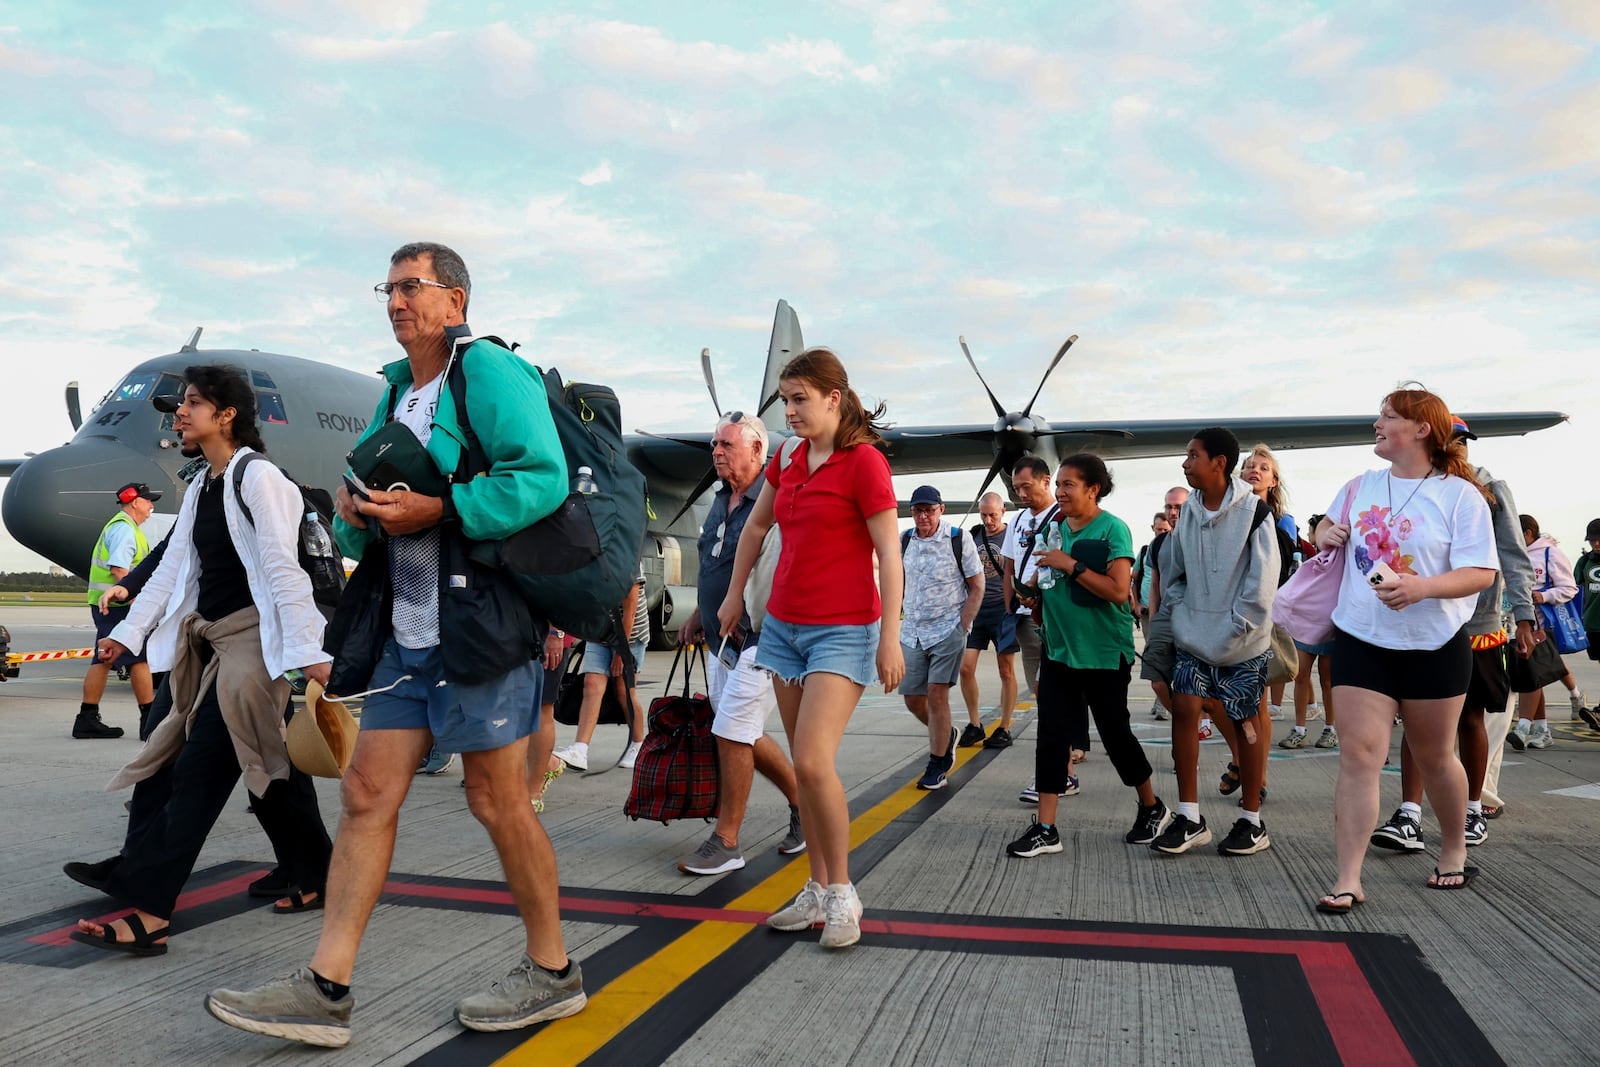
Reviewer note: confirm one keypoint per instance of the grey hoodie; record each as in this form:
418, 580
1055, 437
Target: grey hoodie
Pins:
1515, 580
1223, 580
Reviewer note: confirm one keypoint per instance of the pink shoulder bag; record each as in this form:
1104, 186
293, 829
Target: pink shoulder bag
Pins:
1304, 604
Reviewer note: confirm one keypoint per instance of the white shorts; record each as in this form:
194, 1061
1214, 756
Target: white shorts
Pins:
741, 699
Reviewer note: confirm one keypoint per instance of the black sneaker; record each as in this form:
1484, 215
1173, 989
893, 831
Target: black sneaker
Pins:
1181, 835
1149, 824
1477, 829
1589, 717
1001, 738
972, 735
1037, 840
89, 725
1245, 839
272, 884
1401, 833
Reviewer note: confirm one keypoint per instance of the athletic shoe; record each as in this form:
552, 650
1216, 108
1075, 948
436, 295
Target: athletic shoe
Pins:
290, 1007
841, 909
1576, 698
1477, 829
1181, 835
89, 726
1157, 711
1518, 737
1001, 738
1029, 794
1329, 738
630, 755
1038, 840
93, 875
1071, 789
1149, 823
1245, 839
935, 776
575, 755
437, 762
1401, 833
801, 913
712, 857
528, 994
1313, 712
1207, 731
1540, 736
1589, 716
1296, 739
972, 735
794, 842
1274, 711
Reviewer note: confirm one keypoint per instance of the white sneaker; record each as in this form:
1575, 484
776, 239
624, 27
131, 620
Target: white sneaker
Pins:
801, 913
1576, 698
842, 912
630, 756
1539, 736
1274, 711
1518, 737
1157, 711
1314, 712
575, 755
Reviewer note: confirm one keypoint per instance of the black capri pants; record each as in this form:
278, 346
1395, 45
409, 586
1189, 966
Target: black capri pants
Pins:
1067, 697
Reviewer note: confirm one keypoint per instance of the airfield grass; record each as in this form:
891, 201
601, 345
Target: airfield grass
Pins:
52, 599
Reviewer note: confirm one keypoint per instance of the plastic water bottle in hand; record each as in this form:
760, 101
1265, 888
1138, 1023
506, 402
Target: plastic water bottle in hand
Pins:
1047, 575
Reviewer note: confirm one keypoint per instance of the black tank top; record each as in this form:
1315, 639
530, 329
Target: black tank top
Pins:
224, 588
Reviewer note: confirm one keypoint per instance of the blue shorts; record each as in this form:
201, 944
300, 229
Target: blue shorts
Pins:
104, 624
997, 627
1323, 649
1237, 686
790, 651
462, 718
597, 658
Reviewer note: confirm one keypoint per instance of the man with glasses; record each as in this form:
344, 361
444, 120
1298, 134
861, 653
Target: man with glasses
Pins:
487, 722
943, 591
996, 624
742, 697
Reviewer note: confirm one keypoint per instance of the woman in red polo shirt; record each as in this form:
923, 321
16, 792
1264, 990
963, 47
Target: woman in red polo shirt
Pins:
827, 634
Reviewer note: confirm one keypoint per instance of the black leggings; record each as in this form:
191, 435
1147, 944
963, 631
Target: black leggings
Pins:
1067, 696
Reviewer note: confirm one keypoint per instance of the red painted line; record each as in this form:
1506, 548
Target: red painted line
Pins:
192, 899
1362, 1030
685, 912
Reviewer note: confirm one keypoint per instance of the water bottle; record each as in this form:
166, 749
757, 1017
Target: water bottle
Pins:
584, 483
325, 559
1046, 578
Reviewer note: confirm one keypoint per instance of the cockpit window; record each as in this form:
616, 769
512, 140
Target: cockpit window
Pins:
262, 380
270, 406
133, 387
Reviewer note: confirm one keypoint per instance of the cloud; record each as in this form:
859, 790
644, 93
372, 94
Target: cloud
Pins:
1568, 135
647, 54
1401, 91
1515, 57
597, 175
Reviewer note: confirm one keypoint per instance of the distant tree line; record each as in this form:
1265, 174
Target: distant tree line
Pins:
41, 582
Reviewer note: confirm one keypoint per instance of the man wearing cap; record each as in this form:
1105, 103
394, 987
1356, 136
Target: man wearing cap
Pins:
944, 589
120, 548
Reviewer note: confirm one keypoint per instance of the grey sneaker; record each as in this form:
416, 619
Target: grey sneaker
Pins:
437, 762
1329, 738
801, 913
290, 1007
528, 994
712, 857
795, 842
1540, 736
1518, 737
842, 910
1296, 739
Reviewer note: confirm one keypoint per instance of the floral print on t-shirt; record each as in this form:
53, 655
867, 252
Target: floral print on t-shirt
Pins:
1381, 542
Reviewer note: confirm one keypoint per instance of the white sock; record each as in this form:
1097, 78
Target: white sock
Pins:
1205, 722
1189, 811
1251, 817
1413, 810
1301, 730
1475, 807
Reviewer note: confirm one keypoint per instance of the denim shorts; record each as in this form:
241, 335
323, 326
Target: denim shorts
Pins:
790, 650
597, 658
1238, 685
462, 718
999, 628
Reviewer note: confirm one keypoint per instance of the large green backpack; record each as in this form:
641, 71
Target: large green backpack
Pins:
575, 566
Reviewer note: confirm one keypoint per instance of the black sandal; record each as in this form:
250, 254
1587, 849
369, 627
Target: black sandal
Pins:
298, 902
143, 944
1230, 780
1466, 874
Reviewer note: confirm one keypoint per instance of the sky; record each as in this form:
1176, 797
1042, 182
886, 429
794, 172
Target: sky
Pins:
1241, 209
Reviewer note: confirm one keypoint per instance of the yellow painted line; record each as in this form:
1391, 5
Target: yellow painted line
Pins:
620, 1003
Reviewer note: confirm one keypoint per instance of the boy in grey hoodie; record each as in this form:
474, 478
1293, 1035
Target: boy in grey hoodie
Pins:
1224, 576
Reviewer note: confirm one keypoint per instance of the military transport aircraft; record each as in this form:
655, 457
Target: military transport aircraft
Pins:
311, 414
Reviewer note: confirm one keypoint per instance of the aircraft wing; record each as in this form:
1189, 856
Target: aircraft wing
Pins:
8, 467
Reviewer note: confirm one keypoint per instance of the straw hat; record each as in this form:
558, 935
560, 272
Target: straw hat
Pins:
322, 735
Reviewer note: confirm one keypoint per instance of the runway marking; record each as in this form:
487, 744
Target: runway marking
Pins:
194, 898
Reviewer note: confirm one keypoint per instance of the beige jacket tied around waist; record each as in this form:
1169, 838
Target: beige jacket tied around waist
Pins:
252, 701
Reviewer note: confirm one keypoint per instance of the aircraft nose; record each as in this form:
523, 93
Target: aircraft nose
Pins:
58, 501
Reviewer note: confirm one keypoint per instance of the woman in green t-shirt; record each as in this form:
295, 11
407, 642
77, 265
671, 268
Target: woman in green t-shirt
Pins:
1087, 641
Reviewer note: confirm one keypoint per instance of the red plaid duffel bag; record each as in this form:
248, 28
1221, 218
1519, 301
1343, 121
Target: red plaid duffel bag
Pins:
675, 776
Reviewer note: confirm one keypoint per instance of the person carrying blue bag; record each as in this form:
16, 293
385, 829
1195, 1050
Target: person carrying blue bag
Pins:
1555, 592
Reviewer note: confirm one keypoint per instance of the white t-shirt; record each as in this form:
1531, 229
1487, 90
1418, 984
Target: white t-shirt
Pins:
414, 558
1425, 527
1017, 535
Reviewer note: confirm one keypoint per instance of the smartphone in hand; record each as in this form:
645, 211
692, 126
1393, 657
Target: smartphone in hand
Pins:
1380, 575
732, 647
357, 490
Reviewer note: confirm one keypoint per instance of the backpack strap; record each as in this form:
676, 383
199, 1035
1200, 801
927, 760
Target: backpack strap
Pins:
786, 454
1263, 510
955, 546
238, 483
1044, 520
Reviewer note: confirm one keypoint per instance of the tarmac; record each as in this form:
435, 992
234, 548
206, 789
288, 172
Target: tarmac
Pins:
1105, 954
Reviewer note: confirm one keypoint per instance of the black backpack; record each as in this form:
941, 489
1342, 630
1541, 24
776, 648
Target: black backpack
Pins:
955, 545
1287, 546
575, 566
318, 553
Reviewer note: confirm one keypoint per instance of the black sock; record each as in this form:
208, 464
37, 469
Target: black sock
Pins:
562, 973
332, 990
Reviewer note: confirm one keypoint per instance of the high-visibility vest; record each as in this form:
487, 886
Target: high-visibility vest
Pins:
100, 576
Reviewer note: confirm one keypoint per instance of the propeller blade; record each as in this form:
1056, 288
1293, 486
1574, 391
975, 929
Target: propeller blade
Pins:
994, 470
703, 444
963, 435
999, 409
1062, 351
74, 412
1126, 435
705, 368
694, 494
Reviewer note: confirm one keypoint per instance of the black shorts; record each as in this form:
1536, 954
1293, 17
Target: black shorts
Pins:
999, 628
1594, 646
1404, 673
1490, 687
104, 624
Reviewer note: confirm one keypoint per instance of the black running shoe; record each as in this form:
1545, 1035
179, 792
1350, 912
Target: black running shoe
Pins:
1181, 835
1037, 840
1001, 738
1149, 824
972, 735
1245, 839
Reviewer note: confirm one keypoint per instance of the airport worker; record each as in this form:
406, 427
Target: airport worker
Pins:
1221, 587
121, 547
1421, 548
228, 612
829, 631
995, 625
943, 591
487, 722
1088, 656
742, 697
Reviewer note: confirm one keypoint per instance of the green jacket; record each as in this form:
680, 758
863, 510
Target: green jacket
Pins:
509, 411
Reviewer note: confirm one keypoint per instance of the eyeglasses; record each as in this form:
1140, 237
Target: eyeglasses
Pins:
408, 288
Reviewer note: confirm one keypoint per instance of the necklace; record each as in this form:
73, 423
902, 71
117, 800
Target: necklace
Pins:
1394, 513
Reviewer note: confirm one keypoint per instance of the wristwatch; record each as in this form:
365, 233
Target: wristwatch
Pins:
1078, 568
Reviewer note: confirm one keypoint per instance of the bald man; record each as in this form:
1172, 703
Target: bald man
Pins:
996, 624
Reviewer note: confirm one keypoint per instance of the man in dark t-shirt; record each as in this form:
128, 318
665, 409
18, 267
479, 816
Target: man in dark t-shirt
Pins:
996, 624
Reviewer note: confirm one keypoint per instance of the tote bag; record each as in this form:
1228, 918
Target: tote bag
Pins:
1304, 604
1563, 622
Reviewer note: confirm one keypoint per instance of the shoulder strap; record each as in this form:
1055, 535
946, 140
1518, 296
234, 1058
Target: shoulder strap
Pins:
955, 548
472, 457
980, 537
1044, 520
786, 452
1548, 581
905, 543
238, 483
1263, 509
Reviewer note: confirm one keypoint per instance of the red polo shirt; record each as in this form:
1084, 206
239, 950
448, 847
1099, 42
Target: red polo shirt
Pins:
824, 573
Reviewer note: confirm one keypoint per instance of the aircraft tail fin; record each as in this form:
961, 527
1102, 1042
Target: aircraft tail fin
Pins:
786, 343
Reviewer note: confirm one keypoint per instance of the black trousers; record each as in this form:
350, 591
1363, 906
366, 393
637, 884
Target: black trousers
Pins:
170, 820
1067, 697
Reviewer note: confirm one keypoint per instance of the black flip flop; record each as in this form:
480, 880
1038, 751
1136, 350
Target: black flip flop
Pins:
1466, 874
1328, 905
143, 943
298, 902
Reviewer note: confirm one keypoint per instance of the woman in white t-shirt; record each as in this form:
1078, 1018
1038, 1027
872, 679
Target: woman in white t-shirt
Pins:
1420, 547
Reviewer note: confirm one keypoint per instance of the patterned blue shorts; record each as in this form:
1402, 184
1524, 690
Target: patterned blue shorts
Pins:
1238, 686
